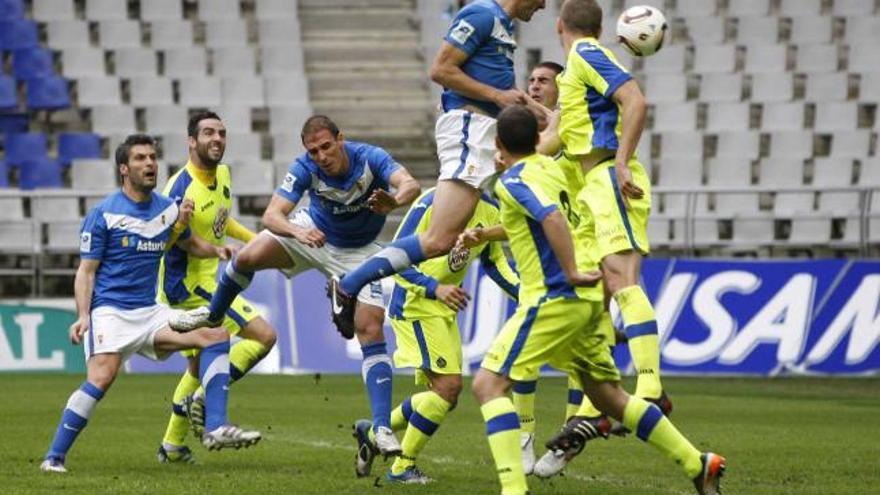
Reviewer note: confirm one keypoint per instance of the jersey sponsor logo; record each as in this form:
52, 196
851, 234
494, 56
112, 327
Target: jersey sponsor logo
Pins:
462, 31
441, 363
220, 220
207, 205
289, 181
150, 246
345, 209
85, 242
458, 258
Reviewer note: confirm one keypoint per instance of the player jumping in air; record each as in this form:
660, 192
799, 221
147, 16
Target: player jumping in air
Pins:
121, 243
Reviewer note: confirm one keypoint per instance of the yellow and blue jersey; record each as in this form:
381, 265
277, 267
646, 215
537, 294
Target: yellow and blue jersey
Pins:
589, 117
181, 274
527, 193
413, 296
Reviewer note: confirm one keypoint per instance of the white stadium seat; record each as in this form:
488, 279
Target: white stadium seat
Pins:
67, 34
113, 119
728, 117
766, 58
243, 147
134, 62
160, 10
171, 34
680, 144
810, 30
106, 10
748, 7
829, 86
709, 58
666, 88
782, 117
816, 58
186, 62
120, 34
675, 117
279, 60
286, 90
215, 10
53, 10
794, 144
82, 62
246, 91
758, 30
93, 174
200, 92
836, 116
770, 87
796, 8
237, 61
721, 87
275, 9
151, 91
230, 32
165, 119
94, 91
855, 144
745, 144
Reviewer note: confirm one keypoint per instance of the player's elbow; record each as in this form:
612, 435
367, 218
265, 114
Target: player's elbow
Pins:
438, 73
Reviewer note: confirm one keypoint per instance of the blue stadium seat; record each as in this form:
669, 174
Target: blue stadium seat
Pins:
8, 98
11, 9
31, 63
48, 93
13, 122
17, 34
25, 146
40, 172
73, 145
4, 174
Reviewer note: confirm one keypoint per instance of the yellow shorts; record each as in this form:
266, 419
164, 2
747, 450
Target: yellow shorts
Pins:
428, 344
620, 224
560, 332
240, 313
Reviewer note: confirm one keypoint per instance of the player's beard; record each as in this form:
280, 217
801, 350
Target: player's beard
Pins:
205, 157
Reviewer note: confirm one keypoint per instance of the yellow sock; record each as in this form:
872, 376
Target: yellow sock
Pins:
640, 325
423, 422
175, 433
401, 414
243, 355
502, 430
651, 426
575, 396
524, 402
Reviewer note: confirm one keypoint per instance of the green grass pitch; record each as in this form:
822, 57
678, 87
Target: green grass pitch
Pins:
781, 436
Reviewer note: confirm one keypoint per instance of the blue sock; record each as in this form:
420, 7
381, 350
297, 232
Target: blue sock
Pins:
376, 370
231, 284
394, 258
74, 418
214, 375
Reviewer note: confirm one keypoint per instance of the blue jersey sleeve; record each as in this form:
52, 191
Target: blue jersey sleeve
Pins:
382, 164
295, 183
93, 236
470, 29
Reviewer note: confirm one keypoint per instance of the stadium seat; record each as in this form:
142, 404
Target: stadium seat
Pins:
93, 174
852, 7
246, 147
830, 86
709, 58
67, 34
106, 10
675, 116
13, 121
171, 34
748, 7
165, 119
279, 32
275, 9
674, 144
120, 34
869, 88
839, 203
286, 147
678, 171
834, 172
696, 8
253, 178
40, 172
670, 59
744, 144
11, 209
236, 61
757, 31
728, 171
794, 144
95, 91
863, 61
753, 231
200, 92
8, 93
11, 9
853, 144
795, 8
54, 208
810, 30
704, 233
770, 87
728, 117
808, 231
659, 231
48, 93
215, 10
135, 62
230, 32
159, 10
766, 58
18, 237
25, 146
18, 34
30, 63
186, 62
151, 91
53, 10
781, 171
289, 119
782, 117
790, 204
816, 58
280, 60
62, 237
113, 119
75, 145
703, 30
286, 90
245, 91
721, 87
4, 181
836, 116
863, 31
870, 173
236, 118
666, 88
175, 148
82, 62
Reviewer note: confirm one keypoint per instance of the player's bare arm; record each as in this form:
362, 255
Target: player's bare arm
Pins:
83, 287
200, 248
550, 143
472, 238
275, 220
633, 111
446, 71
408, 189
559, 236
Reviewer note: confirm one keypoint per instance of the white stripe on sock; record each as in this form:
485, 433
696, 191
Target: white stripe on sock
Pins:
373, 361
396, 257
82, 404
236, 277
220, 366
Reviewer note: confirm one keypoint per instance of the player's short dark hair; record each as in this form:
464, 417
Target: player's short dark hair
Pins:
547, 64
192, 128
124, 149
518, 130
582, 16
317, 123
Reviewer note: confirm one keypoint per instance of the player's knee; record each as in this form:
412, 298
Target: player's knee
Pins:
260, 330
487, 386
369, 331
437, 243
449, 388
246, 260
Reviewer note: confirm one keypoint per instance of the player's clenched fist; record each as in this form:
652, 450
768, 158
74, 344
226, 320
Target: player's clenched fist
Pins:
78, 329
186, 211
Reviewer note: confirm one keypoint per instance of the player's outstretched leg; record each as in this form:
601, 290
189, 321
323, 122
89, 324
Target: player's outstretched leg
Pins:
502, 430
232, 283
524, 401
76, 415
214, 375
173, 448
376, 372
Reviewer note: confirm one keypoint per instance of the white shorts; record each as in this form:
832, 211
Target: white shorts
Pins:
466, 147
329, 259
127, 331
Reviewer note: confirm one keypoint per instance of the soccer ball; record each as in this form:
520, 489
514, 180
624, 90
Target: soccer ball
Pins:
641, 30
